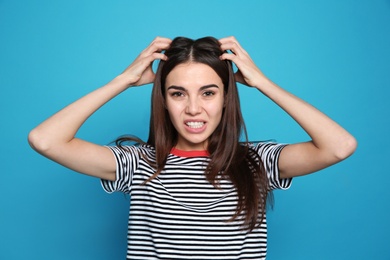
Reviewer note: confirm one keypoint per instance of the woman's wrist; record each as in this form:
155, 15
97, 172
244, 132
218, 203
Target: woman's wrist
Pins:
263, 83
123, 81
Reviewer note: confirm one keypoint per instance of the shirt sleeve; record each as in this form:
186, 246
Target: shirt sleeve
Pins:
269, 154
127, 159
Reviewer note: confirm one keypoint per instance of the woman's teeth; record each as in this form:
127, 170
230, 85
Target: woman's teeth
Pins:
195, 124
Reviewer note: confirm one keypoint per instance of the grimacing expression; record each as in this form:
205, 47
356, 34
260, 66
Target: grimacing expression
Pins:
194, 96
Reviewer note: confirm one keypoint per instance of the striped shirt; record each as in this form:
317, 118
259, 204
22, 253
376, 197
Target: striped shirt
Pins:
179, 214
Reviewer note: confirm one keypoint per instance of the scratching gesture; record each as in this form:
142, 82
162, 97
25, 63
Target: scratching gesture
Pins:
330, 142
248, 73
55, 137
140, 72
197, 189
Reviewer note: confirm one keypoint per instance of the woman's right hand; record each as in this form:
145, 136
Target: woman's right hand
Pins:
140, 72
55, 137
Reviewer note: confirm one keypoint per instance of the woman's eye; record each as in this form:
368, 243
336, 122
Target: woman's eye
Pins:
176, 94
208, 93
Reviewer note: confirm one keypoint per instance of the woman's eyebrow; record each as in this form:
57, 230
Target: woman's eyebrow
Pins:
176, 88
209, 86
201, 88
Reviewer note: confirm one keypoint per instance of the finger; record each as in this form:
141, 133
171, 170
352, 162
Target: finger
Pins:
230, 43
163, 39
159, 56
227, 39
241, 64
234, 48
155, 48
143, 62
232, 57
160, 43
157, 45
228, 56
148, 60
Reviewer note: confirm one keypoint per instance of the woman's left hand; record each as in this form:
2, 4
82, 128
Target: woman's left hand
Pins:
248, 73
330, 142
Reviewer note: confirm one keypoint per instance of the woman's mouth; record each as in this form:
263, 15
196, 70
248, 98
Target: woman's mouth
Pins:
195, 124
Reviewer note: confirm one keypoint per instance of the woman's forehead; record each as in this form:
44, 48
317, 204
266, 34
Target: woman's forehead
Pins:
192, 73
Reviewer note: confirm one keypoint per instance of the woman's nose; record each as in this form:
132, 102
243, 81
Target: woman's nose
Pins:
193, 106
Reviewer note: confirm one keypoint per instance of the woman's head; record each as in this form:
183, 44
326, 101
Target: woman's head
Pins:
204, 51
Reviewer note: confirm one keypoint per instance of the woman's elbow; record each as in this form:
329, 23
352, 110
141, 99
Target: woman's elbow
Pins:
37, 141
347, 148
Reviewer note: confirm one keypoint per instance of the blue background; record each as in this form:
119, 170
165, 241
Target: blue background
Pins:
334, 54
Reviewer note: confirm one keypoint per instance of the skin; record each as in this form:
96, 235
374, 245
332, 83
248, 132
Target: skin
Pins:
330, 142
194, 100
55, 137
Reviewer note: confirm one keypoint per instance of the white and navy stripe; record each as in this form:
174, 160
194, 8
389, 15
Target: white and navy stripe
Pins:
180, 215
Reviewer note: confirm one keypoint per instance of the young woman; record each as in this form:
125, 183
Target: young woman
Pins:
196, 191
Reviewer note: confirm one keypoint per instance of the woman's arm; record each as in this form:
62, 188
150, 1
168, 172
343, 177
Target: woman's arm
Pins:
330, 142
55, 137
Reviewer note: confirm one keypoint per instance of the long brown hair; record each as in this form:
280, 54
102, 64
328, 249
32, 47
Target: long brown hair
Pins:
229, 158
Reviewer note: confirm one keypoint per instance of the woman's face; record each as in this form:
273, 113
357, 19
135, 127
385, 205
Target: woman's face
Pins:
194, 100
